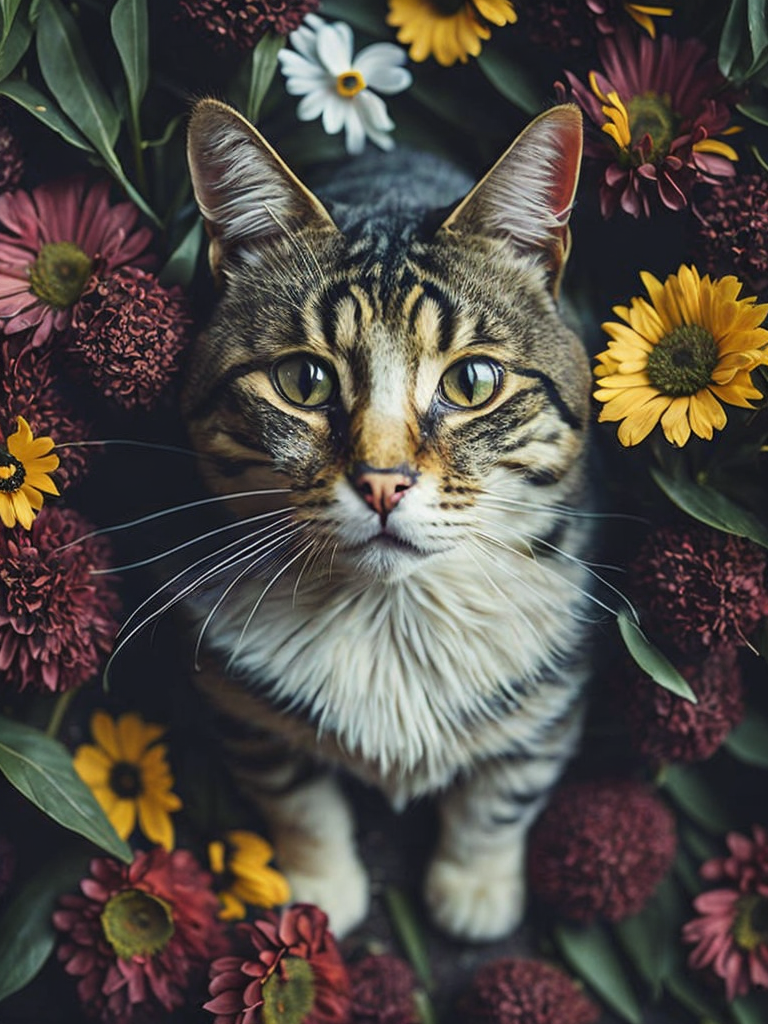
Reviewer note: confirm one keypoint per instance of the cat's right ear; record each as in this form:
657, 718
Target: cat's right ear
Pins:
246, 193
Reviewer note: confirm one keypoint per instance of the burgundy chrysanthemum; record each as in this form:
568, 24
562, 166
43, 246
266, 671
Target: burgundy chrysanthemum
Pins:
382, 991
296, 962
127, 333
11, 159
731, 936
516, 991
668, 728
733, 233
658, 106
699, 588
243, 22
139, 935
57, 620
7, 863
600, 849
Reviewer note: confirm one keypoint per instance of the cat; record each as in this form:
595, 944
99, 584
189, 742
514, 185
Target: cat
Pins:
390, 396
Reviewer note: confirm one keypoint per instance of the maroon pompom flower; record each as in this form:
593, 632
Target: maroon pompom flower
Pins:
733, 233
658, 106
295, 963
667, 728
243, 22
600, 849
57, 619
731, 936
516, 991
7, 863
139, 935
11, 160
699, 588
127, 333
382, 991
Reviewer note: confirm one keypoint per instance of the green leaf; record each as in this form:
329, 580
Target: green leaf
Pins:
263, 68
41, 768
687, 789
27, 936
511, 81
732, 38
357, 15
43, 108
16, 44
711, 507
650, 937
409, 933
591, 952
130, 32
749, 1009
698, 1001
749, 740
180, 268
651, 660
754, 111
8, 9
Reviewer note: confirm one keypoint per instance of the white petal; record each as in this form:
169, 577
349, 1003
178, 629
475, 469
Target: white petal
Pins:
304, 40
373, 112
334, 47
335, 113
312, 105
294, 64
355, 132
295, 86
379, 64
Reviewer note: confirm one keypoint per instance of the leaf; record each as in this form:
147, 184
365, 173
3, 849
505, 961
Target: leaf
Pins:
41, 107
263, 68
649, 937
13, 48
409, 933
749, 1009
711, 507
651, 660
182, 262
41, 769
732, 38
591, 952
8, 9
695, 798
754, 111
130, 32
357, 15
688, 994
748, 742
511, 81
27, 935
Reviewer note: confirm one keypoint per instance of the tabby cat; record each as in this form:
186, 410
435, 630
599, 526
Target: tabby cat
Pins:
390, 396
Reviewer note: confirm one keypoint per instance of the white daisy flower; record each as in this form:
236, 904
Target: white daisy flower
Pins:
338, 86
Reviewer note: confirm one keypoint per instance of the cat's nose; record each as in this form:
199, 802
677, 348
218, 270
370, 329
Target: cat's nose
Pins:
382, 489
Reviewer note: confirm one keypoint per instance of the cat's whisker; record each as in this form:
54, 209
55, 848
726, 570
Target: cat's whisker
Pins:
305, 253
530, 541
560, 510
318, 547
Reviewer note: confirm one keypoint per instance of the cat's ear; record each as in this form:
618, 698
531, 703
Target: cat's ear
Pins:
527, 195
246, 192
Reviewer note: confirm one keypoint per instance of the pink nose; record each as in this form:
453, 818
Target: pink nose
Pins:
382, 489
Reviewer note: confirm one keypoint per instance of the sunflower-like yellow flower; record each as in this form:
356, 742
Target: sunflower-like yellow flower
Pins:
127, 771
681, 354
25, 462
448, 30
240, 864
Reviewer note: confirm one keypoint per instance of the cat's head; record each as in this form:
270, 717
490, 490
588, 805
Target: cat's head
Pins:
390, 379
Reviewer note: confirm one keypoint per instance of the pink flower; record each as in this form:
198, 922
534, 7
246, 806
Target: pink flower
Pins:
51, 241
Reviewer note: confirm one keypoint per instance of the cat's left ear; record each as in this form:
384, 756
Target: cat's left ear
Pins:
527, 196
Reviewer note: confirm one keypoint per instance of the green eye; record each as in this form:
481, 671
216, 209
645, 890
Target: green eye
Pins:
304, 381
471, 383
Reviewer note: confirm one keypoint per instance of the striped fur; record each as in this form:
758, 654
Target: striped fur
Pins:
438, 644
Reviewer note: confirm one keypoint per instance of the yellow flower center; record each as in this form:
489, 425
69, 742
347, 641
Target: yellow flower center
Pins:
12, 472
349, 83
125, 780
137, 924
750, 929
60, 273
289, 993
682, 362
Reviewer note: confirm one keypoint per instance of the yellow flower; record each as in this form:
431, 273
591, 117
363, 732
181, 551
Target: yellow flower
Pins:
644, 14
25, 462
241, 863
679, 355
448, 30
127, 771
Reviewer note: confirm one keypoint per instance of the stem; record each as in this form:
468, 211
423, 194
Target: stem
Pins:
59, 711
134, 129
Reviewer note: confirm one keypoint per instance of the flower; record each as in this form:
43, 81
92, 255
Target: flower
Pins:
296, 964
51, 241
641, 14
7, 863
555, 24
139, 935
733, 231
731, 935
668, 728
338, 86
127, 333
600, 849
11, 160
382, 991
244, 22
240, 863
448, 30
26, 463
703, 589
679, 356
658, 108
127, 772
517, 991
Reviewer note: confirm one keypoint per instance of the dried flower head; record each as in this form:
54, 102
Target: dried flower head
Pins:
11, 159
242, 23
733, 229
382, 991
517, 991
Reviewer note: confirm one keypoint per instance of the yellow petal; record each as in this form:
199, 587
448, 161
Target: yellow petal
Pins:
675, 423
104, 732
636, 427
706, 414
134, 736
155, 822
92, 765
123, 817
232, 909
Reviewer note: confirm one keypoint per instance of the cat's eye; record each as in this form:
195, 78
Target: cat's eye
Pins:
305, 381
471, 383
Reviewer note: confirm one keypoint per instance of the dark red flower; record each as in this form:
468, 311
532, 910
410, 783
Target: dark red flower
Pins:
516, 991
140, 934
700, 588
731, 936
296, 964
57, 619
382, 991
7, 863
11, 159
555, 24
600, 849
243, 22
668, 728
127, 333
733, 230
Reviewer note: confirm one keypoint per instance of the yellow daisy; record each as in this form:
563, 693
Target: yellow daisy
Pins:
448, 30
241, 866
25, 462
127, 772
679, 355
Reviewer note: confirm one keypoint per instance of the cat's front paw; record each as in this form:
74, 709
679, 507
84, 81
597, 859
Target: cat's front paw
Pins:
339, 887
473, 902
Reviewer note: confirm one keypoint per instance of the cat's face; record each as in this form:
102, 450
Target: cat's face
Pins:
390, 389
